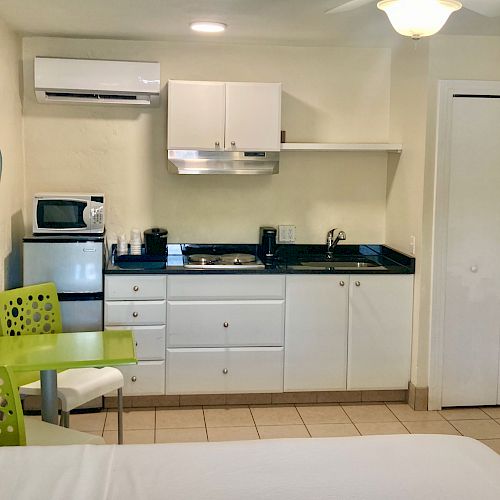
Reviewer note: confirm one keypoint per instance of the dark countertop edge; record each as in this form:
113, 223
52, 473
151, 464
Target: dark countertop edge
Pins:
396, 262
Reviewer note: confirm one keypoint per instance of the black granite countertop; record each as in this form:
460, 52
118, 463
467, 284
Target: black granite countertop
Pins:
290, 259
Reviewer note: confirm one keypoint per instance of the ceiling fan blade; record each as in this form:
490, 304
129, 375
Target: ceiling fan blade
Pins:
351, 5
490, 8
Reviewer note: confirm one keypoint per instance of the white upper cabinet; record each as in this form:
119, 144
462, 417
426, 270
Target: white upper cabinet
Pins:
380, 326
253, 116
196, 115
224, 116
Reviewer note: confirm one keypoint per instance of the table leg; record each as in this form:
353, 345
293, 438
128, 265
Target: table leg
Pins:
48, 381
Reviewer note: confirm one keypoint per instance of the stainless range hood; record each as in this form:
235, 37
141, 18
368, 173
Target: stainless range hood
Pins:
223, 162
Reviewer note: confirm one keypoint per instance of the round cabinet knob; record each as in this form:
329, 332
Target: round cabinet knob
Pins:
135, 288
357, 283
341, 283
217, 144
136, 344
225, 371
226, 324
134, 378
473, 269
233, 143
135, 314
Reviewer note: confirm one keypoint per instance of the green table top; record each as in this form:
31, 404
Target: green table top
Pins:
59, 351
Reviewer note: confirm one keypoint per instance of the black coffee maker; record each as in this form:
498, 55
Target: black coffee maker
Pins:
268, 243
155, 241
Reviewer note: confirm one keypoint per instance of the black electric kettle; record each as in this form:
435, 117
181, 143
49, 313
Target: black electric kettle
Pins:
155, 241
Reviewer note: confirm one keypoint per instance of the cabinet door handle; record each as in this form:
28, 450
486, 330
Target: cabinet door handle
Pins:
233, 143
136, 344
341, 283
133, 379
357, 283
217, 144
225, 371
135, 288
135, 314
226, 324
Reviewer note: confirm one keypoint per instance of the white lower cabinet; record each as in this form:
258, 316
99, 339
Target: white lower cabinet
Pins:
348, 332
224, 370
138, 303
316, 332
380, 326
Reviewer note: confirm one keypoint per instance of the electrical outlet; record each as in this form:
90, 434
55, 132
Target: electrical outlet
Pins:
412, 245
286, 234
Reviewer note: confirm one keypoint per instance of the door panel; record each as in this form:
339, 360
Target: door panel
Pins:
196, 114
316, 333
472, 312
253, 116
380, 326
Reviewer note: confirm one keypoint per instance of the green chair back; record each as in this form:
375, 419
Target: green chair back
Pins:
12, 431
30, 310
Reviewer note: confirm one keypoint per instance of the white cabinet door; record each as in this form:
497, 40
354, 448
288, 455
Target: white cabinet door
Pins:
253, 116
143, 379
219, 370
316, 332
149, 341
196, 115
132, 312
225, 323
135, 287
380, 325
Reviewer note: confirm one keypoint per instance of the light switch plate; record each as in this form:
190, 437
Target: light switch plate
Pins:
286, 234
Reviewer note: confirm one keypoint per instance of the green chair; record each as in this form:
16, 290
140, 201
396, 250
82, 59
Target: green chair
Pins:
34, 310
15, 431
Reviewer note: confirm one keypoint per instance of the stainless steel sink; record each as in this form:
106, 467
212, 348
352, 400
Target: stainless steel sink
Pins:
347, 265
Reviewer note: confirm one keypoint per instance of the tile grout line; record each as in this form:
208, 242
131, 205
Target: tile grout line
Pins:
302, 420
254, 422
205, 422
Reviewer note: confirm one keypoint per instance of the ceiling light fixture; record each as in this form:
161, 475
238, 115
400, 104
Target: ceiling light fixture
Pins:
418, 18
208, 27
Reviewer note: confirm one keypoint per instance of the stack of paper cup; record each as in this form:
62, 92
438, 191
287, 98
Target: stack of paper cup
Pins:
121, 246
135, 242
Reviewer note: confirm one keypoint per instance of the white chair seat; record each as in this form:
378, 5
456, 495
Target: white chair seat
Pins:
80, 385
40, 433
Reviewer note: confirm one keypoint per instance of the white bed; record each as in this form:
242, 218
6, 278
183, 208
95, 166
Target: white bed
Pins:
371, 467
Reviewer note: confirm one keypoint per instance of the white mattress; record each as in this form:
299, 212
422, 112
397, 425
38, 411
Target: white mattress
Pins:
371, 467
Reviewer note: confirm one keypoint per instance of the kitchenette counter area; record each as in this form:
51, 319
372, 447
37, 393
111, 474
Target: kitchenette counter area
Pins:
289, 259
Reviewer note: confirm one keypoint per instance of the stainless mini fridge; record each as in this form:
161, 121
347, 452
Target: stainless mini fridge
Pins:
75, 265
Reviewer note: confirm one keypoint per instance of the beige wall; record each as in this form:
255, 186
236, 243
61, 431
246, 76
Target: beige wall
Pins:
409, 94
330, 94
12, 180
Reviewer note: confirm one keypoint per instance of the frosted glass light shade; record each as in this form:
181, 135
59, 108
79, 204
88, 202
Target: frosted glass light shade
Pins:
418, 18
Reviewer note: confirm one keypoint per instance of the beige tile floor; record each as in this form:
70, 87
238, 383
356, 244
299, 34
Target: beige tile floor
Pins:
212, 423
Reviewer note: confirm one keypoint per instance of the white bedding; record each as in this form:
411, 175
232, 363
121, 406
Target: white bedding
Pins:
370, 467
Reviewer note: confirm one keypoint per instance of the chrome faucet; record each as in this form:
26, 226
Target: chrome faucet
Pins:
332, 242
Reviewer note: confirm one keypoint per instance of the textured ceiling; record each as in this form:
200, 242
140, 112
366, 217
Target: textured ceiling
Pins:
256, 21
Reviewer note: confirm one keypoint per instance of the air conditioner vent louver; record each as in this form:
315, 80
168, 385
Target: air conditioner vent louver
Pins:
81, 81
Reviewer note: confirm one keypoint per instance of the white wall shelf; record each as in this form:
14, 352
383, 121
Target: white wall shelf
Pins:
317, 146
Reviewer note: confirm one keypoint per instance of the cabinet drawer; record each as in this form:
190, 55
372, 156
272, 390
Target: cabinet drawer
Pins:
149, 340
135, 287
226, 287
145, 378
198, 371
225, 323
130, 312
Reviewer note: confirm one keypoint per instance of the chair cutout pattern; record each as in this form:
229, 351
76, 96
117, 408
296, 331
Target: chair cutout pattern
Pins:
30, 311
12, 431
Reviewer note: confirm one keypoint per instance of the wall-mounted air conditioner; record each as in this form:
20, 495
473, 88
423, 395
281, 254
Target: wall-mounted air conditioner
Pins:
92, 81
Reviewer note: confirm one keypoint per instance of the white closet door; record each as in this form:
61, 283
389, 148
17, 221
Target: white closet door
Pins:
472, 301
